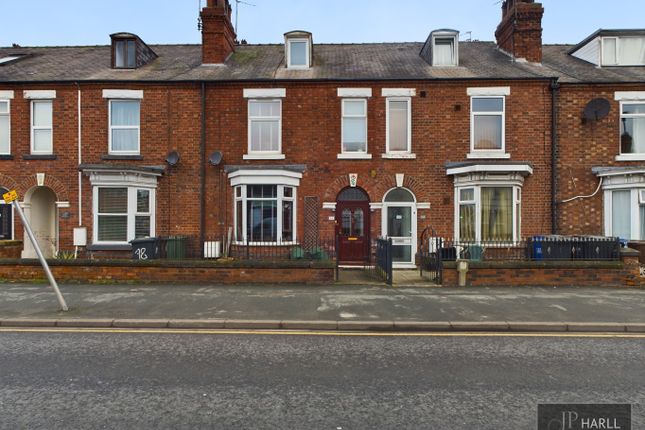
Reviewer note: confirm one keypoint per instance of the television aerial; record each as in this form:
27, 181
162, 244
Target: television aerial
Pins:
237, 11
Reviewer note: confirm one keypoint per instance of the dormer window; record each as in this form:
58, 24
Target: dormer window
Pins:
623, 51
125, 54
130, 52
444, 48
298, 46
612, 48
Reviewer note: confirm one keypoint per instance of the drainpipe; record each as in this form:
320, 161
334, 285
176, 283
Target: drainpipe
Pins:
555, 89
80, 159
202, 172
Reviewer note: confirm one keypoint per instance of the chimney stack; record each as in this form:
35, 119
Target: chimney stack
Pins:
218, 34
520, 32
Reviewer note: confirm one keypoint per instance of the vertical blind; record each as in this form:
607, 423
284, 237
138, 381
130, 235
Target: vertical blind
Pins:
354, 126
42, 125
4, 128
398, 124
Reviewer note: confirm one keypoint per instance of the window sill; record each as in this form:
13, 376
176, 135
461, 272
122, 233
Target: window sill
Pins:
99, 247
6, 157
39, 157
630, 157
357, 156
121, 157
264, 157
402, 156
488, 155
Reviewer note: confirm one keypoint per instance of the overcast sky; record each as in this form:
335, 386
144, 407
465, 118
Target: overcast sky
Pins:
90, 22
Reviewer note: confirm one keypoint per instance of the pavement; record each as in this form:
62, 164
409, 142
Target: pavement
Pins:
338, 307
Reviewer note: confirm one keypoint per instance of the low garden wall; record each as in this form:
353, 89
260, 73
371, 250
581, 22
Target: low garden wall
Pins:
623, 273
168, 271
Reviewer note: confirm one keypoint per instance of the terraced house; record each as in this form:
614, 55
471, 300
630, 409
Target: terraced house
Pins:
285, 144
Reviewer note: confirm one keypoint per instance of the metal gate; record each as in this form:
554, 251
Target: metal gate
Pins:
430, 263
383, 266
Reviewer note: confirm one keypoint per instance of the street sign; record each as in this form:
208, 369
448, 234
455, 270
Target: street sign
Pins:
10, 196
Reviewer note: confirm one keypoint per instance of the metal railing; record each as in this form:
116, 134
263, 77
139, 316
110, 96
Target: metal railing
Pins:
323, 249
537, 248
383, 261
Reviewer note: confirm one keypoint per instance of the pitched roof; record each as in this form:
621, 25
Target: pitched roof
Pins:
351, 62
384, 61
574, 70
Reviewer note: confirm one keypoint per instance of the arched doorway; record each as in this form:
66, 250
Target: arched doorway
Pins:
353, 225
400, 224
41, 211
6, 218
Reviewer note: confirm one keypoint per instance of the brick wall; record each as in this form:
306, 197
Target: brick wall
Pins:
625, 273
166, 272
582, 146
311, 123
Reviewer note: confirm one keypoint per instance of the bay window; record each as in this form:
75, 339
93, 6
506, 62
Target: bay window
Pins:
122, 214
625, 213
489, 213
265, 214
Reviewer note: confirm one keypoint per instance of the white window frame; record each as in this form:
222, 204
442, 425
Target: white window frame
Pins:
280, 198
307, 53
388, 100
8, 115
123, 127
131, 213
602, 51
34, 128
636, 195
628, 156
353, 154
455, 49
487, 153
269, 155
516, 208
13, 217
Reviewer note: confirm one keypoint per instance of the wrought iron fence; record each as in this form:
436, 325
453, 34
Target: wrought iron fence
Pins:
383, 261
537, 248
322, 249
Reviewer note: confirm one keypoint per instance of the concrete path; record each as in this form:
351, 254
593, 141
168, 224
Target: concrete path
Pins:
339, 307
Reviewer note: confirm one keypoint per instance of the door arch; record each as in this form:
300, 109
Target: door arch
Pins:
41, 211
399, 222
353, 225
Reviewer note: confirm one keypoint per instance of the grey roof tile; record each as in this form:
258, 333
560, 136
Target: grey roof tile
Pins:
382, 61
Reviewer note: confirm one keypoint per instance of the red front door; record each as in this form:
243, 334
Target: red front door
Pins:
353, 229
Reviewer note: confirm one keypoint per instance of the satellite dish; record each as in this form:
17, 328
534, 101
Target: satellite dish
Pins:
596, 109
216, 158
173, 158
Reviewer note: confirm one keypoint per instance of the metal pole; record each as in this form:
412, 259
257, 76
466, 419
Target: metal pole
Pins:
48, 272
